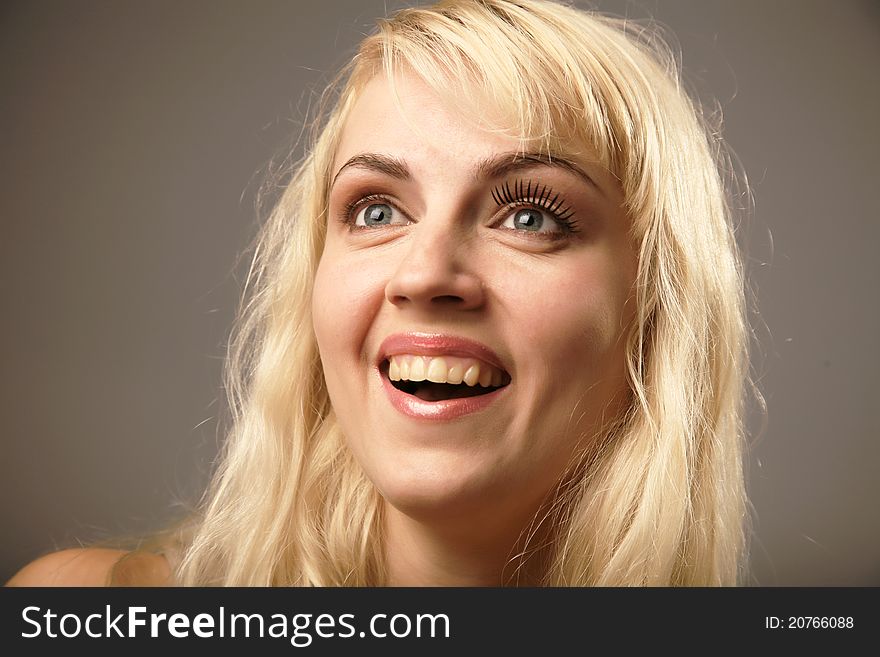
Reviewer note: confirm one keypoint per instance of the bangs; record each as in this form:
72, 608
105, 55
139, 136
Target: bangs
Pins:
507, 70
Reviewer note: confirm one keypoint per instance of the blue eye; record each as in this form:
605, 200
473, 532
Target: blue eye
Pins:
532, 220
378, 214
536, 210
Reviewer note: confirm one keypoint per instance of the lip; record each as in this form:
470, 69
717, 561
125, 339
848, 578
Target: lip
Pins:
442, 410
435, 344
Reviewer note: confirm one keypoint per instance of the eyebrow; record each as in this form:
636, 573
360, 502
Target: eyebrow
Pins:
390, 166
496, 166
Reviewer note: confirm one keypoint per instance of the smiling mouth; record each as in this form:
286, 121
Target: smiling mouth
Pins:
401, 377
429, 391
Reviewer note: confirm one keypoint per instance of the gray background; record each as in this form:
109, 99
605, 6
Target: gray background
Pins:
135, 135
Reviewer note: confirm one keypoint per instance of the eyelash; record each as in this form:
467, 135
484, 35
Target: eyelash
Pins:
521, 193
540, 196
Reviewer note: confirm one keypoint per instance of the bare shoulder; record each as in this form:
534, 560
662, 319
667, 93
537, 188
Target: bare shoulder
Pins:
74, 567
94, 567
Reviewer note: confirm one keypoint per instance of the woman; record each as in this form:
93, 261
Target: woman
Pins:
493, 333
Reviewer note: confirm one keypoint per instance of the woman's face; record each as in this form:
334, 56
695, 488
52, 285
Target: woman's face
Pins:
449, 258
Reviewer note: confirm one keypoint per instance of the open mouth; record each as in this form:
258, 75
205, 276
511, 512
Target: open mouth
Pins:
433, 391
430, 391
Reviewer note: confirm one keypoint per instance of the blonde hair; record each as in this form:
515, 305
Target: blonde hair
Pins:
660, 499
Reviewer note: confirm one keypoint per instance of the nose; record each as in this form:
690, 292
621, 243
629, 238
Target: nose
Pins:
437, 269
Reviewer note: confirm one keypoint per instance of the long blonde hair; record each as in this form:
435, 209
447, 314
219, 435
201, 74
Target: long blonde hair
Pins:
660, 500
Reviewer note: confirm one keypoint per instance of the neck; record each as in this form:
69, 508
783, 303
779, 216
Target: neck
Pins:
479, 552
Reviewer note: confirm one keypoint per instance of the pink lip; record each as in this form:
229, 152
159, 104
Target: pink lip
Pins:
436, 344
443, 410
427, 344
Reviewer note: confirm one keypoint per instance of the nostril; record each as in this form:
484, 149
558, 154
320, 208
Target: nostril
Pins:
447, 298
435, 288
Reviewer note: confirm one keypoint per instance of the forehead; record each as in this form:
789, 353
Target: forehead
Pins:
405, 128
408, 119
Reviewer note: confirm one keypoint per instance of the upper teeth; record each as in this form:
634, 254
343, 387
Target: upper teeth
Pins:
445, 369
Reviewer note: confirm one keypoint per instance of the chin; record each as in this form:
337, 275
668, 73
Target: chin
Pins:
436, 490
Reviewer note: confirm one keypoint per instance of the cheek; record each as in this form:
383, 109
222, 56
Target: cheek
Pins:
334, 306
573, 352
334, 323
331, 322
575, 322
325, 309
345, 300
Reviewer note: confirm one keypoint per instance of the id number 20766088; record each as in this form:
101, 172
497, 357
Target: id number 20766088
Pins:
808, 622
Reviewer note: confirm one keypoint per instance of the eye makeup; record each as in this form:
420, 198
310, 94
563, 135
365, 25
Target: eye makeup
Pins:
509, 195
529, 193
